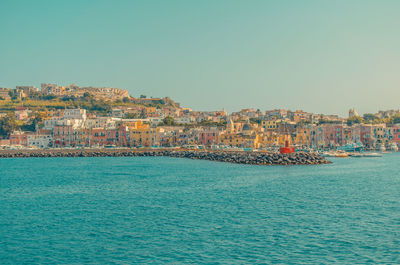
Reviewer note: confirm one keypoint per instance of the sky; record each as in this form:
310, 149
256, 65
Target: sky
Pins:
319, 56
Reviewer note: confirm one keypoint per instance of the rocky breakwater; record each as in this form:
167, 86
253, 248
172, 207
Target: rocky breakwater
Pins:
255, 158
252, 158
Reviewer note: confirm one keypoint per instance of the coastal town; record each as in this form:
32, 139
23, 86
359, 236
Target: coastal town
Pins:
71, 116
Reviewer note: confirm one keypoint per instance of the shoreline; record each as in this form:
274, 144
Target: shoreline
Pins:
236, 157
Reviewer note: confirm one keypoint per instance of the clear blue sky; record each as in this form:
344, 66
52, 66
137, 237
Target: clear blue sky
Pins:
319, 56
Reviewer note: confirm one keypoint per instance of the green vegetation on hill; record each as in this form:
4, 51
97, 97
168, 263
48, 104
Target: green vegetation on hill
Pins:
8, 124
40, 102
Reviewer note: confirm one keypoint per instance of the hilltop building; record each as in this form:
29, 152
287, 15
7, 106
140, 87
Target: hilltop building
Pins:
105, 93
5, 93
353, 113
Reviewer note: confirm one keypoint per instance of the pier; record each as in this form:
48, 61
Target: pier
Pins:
236, 157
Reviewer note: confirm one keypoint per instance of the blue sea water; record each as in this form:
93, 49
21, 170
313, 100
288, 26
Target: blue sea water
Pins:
154, 210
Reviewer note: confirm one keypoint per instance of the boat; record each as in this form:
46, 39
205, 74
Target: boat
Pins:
353, 147
372, 155
341, 154
394, 147
382, 148
335, 154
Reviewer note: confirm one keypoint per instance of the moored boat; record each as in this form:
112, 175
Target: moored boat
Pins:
341, 154
353, 147
394, 147
335, 154
329, 154
372, 155
382, 148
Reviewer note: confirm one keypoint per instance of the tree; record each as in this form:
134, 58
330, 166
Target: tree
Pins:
8, 124
169, 121
37, 119
48, 97
130, 115
354, 120
370, 117
143, 114
208, 123
87, 96
126, 100
143, 96
396, 119
255, 120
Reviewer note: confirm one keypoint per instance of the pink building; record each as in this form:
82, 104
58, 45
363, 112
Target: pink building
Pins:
396, 134
63, 135
21, 114
208, 137
19, 138
333, 135
98, 136
367, 135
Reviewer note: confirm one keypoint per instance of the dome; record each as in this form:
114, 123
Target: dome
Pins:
247, 127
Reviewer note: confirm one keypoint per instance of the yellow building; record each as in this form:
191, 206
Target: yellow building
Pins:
303, 136
240, 140
151, 111
133, 125
144, 136
234, 127
271, 124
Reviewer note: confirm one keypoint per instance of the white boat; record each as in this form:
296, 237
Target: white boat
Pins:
382, 148
329, 154
372, 155
394, 147
335, 154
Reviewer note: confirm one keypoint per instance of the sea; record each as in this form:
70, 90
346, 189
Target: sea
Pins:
160, 210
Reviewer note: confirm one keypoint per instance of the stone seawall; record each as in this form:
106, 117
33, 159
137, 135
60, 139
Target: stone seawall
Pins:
253, 158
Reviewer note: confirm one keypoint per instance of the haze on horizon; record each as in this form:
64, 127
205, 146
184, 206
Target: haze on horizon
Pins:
319, 56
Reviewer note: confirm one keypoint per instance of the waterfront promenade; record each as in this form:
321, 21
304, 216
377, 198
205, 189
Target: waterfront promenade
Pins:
237, 157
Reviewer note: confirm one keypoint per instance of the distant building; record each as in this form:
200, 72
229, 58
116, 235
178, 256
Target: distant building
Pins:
353, 113
277, 113
25, 91
75, 114
39, 140
22, 114
52, 89
19, 138
270, 124
163, 101
208, 136
106, 93
5, 93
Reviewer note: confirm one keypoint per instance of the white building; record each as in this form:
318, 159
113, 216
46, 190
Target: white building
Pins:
75, 114
50, 123
154, 120
100, 122
184, 120
39, 140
